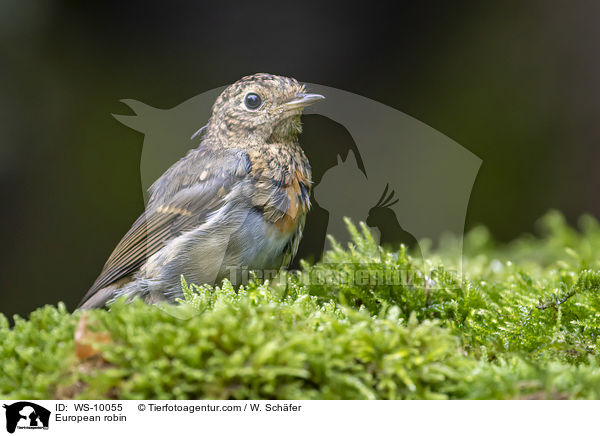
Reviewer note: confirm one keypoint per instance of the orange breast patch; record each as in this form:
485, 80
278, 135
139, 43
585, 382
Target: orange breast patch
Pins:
297, 206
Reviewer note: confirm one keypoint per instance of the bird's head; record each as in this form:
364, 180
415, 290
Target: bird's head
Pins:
260, 107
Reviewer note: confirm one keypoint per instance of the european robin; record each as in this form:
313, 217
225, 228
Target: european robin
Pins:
238, 200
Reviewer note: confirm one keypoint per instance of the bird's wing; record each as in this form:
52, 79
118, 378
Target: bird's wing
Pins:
188, 193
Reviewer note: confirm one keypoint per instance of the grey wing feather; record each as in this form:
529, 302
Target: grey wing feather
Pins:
181, 200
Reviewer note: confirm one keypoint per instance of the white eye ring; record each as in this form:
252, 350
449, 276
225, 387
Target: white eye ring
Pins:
252, 101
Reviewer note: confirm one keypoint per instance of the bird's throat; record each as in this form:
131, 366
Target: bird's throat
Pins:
287, 130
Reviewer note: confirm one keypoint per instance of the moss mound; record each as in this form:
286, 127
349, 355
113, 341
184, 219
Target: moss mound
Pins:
365, 323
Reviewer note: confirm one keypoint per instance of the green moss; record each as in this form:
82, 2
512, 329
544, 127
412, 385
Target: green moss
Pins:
521, 322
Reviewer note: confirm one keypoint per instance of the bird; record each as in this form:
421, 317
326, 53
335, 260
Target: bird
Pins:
238, 200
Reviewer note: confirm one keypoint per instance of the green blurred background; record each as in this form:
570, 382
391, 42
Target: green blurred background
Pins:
516, 84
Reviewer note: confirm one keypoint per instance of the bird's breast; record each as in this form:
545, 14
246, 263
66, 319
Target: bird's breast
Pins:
282, 186
288, 205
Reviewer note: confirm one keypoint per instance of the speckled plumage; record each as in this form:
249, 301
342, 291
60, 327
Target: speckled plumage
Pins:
238, 200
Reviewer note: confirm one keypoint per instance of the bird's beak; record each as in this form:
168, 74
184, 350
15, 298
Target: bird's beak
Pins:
302, 100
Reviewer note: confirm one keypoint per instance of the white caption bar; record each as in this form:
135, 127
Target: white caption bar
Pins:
297, 417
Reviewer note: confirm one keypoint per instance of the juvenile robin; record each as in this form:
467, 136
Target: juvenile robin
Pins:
238, 200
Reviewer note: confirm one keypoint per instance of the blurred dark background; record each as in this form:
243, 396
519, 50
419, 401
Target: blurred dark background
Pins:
517, 84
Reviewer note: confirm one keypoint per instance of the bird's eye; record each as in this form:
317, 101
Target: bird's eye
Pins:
252, 101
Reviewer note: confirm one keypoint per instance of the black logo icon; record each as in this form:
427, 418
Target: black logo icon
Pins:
26, 415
